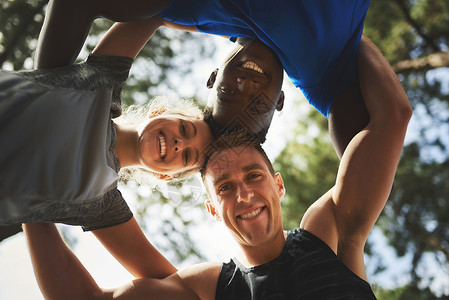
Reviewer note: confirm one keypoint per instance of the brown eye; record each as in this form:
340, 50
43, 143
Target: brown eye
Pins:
224, 188
253, 176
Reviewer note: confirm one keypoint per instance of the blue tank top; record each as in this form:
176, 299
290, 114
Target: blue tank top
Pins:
317, 41
307, 269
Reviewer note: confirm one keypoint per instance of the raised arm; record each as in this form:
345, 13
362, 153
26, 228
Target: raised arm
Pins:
127, 38
344, 216
67, 24
366, 172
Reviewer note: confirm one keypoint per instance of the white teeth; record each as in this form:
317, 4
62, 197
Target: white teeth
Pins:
162, 144
251, 214
253, 66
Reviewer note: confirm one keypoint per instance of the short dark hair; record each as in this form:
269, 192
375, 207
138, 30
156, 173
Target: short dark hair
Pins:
219, 129
235, 139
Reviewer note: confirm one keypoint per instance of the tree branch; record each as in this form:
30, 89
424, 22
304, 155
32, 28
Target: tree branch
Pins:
431, 61
438, 246
406, 11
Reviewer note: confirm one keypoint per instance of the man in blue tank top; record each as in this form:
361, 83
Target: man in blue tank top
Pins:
323, 259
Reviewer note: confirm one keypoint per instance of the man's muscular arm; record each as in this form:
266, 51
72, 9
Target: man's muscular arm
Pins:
344, 217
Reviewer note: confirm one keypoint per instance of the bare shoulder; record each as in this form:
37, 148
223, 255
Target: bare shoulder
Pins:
319, 220
202, 278
322, 219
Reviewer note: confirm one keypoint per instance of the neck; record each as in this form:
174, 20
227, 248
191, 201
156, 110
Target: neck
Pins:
126, 146
258, 255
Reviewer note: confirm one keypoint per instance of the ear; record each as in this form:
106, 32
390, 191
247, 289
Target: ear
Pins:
164, 177
212, 78
280, 103
279, 184
211, 209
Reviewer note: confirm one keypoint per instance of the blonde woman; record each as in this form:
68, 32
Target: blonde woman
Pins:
63, 148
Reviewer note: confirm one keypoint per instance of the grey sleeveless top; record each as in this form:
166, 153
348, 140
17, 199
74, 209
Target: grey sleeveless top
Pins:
57, 162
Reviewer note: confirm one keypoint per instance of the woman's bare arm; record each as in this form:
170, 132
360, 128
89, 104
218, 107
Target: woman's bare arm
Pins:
61, 275
58, 271
127, 38
128, 244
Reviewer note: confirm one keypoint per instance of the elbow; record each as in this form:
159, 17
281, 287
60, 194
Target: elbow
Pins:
397, 112
403, 112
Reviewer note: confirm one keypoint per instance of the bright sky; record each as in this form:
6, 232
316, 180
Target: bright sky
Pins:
17, 279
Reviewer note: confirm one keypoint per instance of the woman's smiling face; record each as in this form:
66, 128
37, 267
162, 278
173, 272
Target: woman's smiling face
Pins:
173, 143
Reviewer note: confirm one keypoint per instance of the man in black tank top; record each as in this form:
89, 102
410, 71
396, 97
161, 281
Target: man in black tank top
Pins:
321, 260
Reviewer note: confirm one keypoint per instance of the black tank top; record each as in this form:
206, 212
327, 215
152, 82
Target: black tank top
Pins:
306, 269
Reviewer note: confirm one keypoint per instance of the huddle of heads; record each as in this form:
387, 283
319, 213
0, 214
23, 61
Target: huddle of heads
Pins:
244, 94
224, 138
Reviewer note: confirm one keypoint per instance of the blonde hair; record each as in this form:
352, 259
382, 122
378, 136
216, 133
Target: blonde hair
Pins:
136, 114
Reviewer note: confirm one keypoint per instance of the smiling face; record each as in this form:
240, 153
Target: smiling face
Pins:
245, 195
247, 89
173, 143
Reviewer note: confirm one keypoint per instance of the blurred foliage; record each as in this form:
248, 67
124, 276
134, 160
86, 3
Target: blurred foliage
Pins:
405, 29
407, 292
308, 165
20, 23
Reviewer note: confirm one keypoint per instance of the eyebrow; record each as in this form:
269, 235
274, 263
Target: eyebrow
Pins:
194, 129
245, 169
221, 178
253, 167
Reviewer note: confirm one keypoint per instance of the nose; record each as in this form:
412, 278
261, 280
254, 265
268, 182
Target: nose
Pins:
178, 144
226, 90
247, 85
245, 194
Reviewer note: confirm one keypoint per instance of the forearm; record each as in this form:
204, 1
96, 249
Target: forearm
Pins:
58, 271
67, 24
177, 26
127, 38
128, 244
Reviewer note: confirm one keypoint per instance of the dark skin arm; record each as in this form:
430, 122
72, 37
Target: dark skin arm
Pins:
347, 117
67, 24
